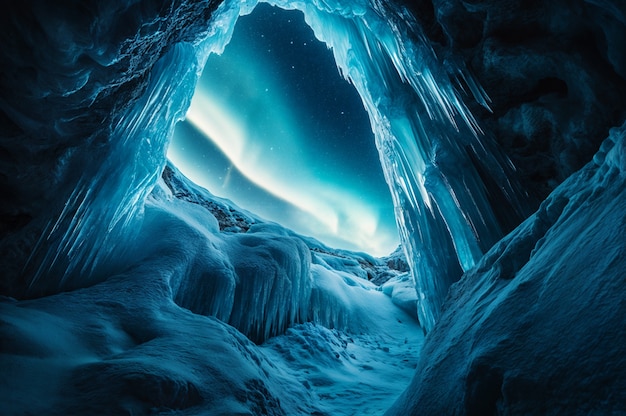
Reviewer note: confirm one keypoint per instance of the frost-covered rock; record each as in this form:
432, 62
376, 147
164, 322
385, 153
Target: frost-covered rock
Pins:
538, 326
397, 260
258, 281
229, 219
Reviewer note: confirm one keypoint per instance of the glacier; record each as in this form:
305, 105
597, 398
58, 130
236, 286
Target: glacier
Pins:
127, 289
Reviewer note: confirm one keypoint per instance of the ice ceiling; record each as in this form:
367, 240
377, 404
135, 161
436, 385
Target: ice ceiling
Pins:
273, 127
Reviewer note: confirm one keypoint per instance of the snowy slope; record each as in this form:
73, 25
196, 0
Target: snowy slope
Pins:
174, 331
538, 326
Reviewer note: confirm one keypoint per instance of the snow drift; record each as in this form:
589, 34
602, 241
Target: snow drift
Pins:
185, 326
537, 326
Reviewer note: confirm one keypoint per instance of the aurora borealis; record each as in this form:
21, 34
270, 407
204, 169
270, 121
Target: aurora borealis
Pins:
275, 128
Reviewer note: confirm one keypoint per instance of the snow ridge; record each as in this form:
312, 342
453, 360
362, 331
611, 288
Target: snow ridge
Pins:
207, 320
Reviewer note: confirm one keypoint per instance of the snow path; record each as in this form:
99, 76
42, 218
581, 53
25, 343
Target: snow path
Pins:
350, 373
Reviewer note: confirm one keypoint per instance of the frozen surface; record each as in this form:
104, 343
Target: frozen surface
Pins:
246, 319
537, 327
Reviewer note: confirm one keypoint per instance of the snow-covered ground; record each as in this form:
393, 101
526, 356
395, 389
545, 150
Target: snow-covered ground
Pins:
173, 333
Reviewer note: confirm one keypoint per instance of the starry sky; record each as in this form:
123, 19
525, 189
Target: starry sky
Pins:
276, 129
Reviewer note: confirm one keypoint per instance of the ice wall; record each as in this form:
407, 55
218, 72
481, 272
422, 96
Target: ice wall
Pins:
118, 158
103, 210
89, 95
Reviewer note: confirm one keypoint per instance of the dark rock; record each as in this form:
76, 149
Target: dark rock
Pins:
555, 72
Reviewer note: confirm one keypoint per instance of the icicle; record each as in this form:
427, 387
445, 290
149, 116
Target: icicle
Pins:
431, 148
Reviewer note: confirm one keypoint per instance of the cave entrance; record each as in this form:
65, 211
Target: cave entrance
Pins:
274, 127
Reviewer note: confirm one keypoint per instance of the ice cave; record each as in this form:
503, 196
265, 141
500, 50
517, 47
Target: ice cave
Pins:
492, 131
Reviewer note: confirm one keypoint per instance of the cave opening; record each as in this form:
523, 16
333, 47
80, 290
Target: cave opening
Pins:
426, 137
121, 295
274, 127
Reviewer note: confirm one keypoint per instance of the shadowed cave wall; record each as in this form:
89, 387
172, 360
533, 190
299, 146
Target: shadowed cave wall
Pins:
556, 75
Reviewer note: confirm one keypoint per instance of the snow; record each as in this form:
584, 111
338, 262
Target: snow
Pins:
350, 373
274, 282
208, 318
401, 290
537, 325
123, 347
257, 281
356, 348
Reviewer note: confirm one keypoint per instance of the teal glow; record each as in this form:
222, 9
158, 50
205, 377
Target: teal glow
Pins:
274, 128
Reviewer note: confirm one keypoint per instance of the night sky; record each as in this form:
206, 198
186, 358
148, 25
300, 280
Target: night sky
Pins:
275, 128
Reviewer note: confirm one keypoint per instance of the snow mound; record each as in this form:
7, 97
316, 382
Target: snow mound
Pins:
209, 321
123, 347
402, 292
538, 326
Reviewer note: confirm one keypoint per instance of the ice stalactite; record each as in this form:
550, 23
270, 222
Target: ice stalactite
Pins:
76, 247
88, 238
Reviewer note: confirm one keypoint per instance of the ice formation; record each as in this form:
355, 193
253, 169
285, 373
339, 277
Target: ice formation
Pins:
147, 295
175, 329
452, 189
